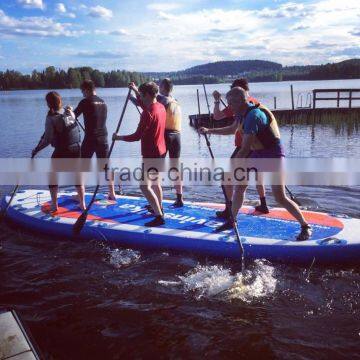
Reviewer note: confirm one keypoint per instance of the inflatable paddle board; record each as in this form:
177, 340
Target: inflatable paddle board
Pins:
335, 240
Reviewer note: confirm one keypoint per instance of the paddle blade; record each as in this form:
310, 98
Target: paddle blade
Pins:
80, 222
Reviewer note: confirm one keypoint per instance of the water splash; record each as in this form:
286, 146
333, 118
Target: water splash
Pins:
255, 282
123, 257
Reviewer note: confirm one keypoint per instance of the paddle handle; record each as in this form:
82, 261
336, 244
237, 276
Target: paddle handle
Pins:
120, 121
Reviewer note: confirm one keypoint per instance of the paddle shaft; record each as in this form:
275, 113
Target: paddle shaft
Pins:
228, 202
207, 100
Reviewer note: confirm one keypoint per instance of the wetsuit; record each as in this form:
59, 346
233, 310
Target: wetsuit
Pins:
95, 141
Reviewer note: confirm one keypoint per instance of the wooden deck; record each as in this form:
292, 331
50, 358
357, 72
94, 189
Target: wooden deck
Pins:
289, 116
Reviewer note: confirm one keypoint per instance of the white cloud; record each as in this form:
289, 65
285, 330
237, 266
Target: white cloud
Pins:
35, 26
118, 32
32, 4
61, 9
286, 35
100, 12
165, 6
101, 54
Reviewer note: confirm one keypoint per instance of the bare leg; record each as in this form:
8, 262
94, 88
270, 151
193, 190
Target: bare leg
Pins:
238, 199
151, 198
81, 196
261, 190
153, 193
54, 201
178, 188
112, 195
157, 189
280, 196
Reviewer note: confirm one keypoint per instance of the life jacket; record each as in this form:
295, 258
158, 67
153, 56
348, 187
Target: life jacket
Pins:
238, 135
173, 116
66, 132
269, 137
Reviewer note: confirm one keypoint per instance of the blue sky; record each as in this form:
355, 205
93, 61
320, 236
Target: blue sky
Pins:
174, 35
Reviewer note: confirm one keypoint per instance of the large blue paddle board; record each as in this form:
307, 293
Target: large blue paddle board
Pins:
335, 239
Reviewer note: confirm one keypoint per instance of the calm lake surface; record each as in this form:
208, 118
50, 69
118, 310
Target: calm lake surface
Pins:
92, 299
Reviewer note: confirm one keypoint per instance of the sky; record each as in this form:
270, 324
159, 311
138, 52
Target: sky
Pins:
174, 35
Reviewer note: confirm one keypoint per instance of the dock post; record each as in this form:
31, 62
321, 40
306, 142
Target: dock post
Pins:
314, 99
338, 99
292, 97
350, 98
198, 101
274, 102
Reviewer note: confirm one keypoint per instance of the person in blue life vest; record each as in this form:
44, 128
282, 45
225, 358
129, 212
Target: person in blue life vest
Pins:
261, 140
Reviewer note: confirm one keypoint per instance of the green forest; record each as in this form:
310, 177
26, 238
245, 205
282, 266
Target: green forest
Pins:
52, 78
212, 73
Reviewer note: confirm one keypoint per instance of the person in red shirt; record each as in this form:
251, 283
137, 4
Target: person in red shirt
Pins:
228, 113
151, 133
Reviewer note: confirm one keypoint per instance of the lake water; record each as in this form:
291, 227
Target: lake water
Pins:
94, 300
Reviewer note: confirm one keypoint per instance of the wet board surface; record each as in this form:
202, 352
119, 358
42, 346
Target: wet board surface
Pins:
191, 228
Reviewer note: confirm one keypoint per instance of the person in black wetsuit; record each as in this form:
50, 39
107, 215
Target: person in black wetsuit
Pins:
94, 111
63, 133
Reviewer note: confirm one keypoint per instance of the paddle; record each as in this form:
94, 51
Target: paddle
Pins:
16, 188
229, 205
227, 200
80, 222
207, 103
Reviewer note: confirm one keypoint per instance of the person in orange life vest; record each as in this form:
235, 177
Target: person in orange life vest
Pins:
261, 140
172, 131
151, 132
228, 113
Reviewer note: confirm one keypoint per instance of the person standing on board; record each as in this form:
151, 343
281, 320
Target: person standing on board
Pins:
172, 130
261, 138
150, 132
228, 113
63, 133
94, 111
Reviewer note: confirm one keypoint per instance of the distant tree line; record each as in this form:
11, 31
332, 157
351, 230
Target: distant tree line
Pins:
254, 70
348, 69
52, 78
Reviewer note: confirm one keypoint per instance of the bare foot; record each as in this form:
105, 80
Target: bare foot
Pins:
112, 196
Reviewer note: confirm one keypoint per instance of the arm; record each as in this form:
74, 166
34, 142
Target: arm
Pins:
46, 138
218, 114
247, 141
227, 130
79, 109
137, 135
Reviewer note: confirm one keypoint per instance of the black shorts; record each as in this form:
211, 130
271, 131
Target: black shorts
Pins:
173, 143
89, 147
72, 152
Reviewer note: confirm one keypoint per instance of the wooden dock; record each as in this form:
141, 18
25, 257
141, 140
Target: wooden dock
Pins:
309, 114
14, 341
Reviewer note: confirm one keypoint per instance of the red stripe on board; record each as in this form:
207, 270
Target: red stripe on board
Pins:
310, 216
66, 213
